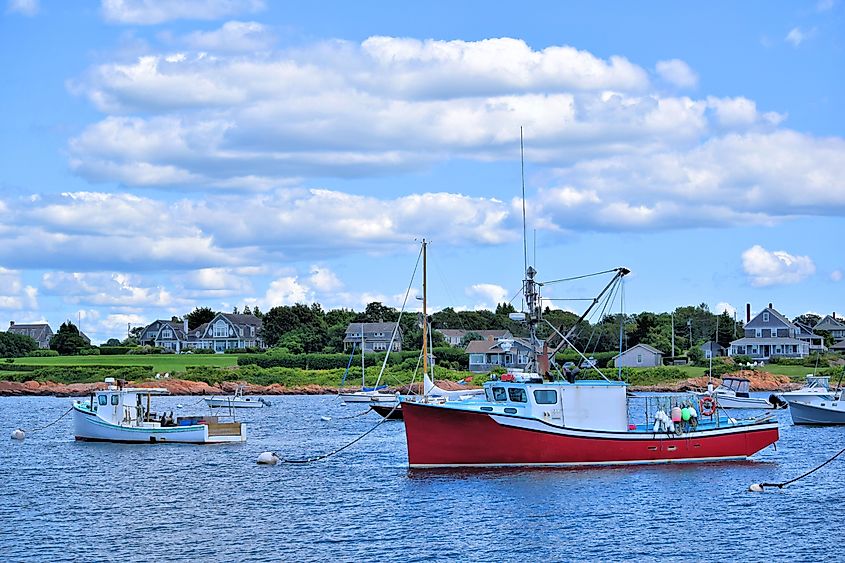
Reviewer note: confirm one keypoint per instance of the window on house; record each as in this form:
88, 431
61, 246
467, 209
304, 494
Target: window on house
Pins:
476, 358
758, 333
221, 330
765, 317
639, 358
166, 333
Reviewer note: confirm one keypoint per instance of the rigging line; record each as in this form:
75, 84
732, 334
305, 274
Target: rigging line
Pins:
785, 483
396, 328
574, 348
48, 425
340, 449
579, 277
566, 298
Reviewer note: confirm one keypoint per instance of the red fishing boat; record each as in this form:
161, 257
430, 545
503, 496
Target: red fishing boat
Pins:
536, 419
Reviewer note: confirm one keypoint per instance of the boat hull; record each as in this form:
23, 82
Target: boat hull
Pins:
804, 413
88, 427
234, 403
388, 411
450, 437
367, 397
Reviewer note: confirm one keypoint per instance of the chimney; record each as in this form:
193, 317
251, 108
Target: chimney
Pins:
834, 317
185, 326
770, 306
12, 323
747, 313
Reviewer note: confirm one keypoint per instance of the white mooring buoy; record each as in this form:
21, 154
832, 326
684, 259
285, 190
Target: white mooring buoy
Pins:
268, 458
343, 404
18, 434
756, 488
325, 418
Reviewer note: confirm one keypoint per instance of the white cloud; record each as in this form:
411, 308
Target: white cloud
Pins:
825, 5
724, 307
106, 290
678, 73
324, 280
148, 12
796, 36
766, 268
23, 7
233, 36
490, 294
287, 291
14, 295
836, 275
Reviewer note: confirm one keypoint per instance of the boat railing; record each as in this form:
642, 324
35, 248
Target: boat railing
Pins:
643, 409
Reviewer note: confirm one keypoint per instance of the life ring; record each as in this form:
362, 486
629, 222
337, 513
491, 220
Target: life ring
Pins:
707, 406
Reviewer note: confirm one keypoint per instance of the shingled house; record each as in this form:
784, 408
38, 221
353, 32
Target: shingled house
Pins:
226, 331
40, 332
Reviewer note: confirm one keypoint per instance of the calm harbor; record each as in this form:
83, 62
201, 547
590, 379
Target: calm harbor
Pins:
64, 499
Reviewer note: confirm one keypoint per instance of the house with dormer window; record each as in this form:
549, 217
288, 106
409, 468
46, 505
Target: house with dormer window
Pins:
376, 337
834, 326
226, 331
770, 334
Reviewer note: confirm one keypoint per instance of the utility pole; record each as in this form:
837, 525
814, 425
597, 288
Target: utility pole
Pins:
673, 334
689, 324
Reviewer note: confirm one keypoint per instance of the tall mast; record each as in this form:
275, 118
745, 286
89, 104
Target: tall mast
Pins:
425, 315
363, 369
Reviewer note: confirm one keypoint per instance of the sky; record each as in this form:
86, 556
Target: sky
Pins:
157, 156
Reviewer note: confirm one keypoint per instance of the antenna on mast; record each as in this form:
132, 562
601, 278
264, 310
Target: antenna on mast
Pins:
522, 169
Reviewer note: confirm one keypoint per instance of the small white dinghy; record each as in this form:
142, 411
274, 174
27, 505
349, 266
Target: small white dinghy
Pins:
124, 414
237, 401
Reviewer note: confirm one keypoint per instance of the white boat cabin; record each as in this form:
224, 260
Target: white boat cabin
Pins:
127, 407
585, 404
739, 385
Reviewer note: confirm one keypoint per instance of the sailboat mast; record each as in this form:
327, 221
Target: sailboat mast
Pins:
363, 369
425, 314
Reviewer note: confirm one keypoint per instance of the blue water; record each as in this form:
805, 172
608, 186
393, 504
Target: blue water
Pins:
63, 500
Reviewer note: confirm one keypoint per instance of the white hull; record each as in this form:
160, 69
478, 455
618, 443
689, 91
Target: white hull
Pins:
821, 413
89, 427
239, 403
367, 397
728, 402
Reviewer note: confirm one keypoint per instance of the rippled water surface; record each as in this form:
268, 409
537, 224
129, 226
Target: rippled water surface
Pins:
64, 500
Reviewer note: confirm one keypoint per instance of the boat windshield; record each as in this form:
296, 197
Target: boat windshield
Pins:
738, 385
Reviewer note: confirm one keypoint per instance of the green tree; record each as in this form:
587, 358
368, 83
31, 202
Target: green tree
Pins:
16, 345
469, 337
257, 312
808, 319
67, 341
112, 342
199, 316
247, 310
307, 323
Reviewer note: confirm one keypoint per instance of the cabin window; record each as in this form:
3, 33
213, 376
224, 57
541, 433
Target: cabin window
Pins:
545, 396
510, 410
103, 400
517, 395
499, 394
115, 399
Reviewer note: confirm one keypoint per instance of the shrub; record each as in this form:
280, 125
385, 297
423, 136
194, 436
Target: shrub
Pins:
42, 353
83, 374
201, 351
116, 350
90, 351
145, 350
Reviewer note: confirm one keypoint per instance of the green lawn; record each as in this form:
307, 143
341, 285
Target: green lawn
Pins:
160, 362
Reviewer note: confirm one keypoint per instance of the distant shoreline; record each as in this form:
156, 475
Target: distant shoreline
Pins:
759, 382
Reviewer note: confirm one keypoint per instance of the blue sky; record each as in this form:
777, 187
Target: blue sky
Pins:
158, 156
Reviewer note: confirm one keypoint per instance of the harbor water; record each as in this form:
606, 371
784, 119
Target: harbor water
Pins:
67, 500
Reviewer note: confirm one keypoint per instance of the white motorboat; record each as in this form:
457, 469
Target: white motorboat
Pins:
124, 414
815, 403
368, 396
733, 393
237, 401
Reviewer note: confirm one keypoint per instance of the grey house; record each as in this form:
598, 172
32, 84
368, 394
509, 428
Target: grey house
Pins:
454, 336
832, 325
485, 355
770, 334
713, 349
376, 336
226, 331
40, 332
639, 356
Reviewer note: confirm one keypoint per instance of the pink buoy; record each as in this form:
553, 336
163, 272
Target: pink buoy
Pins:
676, 414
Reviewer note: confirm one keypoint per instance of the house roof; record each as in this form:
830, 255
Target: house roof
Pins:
753, 322
35, 326
241, 319
371, 327
487, 347
651, 349
839, 345
773, 340
829, 323
711, 345
459, 332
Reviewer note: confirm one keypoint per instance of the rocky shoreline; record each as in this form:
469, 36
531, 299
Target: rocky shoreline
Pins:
760, 381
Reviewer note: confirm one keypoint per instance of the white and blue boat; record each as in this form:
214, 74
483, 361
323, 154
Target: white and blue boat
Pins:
124, 414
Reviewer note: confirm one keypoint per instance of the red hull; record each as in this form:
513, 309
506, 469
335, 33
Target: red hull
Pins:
449, 437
